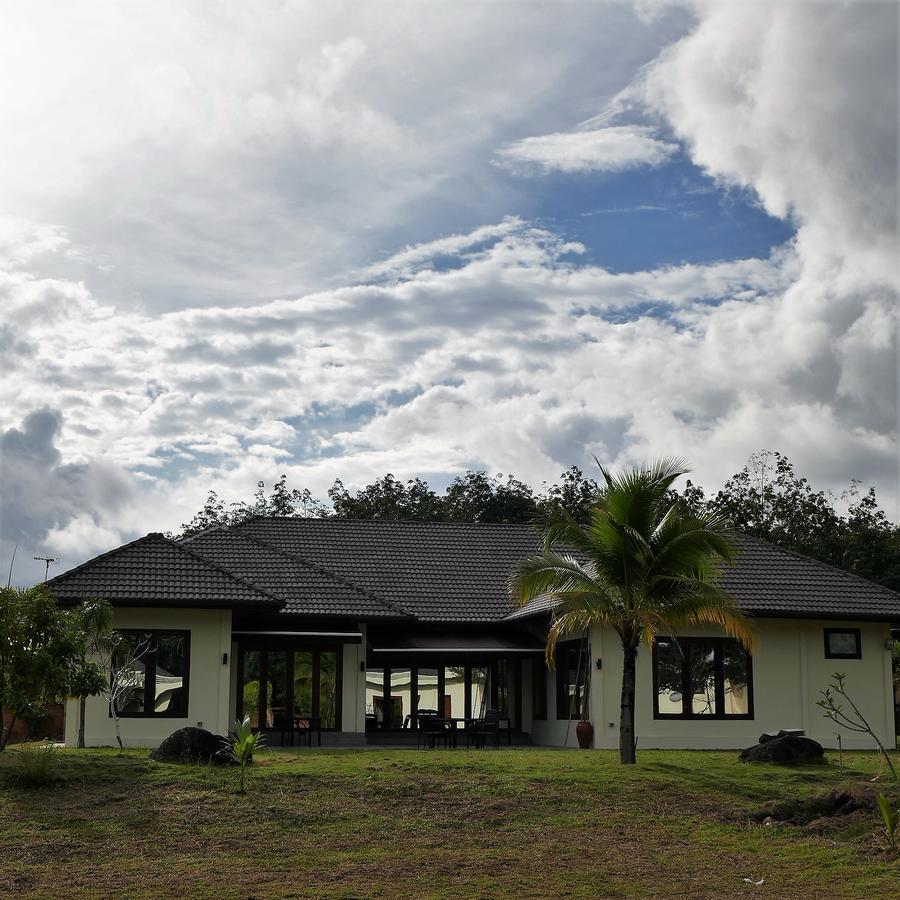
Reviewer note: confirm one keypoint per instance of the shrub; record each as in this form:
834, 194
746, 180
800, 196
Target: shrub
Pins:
241, 746
890, 819
36, 766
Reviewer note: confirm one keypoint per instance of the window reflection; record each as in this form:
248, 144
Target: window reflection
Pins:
276, 707
250, 693
701, 661
735, 666
668, 678
303, 685
429, 702
171, 668
328, 682
479, 692
715, 671
132, 672
401, 698
375, 697
454, 692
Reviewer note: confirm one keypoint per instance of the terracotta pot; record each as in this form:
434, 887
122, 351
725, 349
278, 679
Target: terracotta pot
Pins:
584, 731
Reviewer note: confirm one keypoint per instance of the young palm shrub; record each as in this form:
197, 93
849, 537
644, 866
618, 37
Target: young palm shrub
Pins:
890, 819
641, 566
241, 746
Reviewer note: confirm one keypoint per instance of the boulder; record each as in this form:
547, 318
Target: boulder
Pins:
785, 750
193, 745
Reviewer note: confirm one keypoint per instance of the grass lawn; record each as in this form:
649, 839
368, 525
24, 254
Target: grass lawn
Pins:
523, 823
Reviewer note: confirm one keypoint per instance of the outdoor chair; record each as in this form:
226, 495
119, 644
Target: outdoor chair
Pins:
483, 730
432, 731
301, 729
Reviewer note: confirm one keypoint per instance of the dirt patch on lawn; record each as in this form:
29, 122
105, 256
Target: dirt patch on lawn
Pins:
838, 808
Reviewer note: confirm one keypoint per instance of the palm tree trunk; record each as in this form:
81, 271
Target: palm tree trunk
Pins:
626, 719
82, 703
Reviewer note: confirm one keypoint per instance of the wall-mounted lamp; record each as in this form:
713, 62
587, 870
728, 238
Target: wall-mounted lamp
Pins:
599, 664
889, 644
224, 659
362, 665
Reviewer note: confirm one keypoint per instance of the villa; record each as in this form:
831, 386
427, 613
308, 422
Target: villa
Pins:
366, 629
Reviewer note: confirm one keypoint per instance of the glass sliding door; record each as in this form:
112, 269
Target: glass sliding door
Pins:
328, 688
249, 699
300, 684
454, 706
428, 691
303, 684
276, 707
479, 692
374, 698
401, 698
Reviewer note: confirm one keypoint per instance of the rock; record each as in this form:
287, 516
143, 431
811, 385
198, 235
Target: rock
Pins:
767, 736
785, 750
193, 745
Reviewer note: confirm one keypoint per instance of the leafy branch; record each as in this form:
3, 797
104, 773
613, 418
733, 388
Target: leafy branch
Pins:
855, 721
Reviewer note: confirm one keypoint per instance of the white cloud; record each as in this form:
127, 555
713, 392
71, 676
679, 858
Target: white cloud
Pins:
612, 149
500, 345
217, 153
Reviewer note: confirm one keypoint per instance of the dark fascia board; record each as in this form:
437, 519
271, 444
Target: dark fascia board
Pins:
822, 615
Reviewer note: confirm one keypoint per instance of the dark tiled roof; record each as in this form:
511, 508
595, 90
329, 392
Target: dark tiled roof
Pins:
437, 571
433, 571
769, 581
155, 571
306, 589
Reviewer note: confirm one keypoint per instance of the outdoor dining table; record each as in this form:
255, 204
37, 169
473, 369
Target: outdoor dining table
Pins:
455, 724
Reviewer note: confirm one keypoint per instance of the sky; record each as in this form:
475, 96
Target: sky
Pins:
339, 240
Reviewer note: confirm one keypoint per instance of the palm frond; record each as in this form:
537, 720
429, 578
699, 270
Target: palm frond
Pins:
705, 603
549, 574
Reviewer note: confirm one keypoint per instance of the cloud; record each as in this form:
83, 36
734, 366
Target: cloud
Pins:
498, 343
50, 506
222, 154
612, 149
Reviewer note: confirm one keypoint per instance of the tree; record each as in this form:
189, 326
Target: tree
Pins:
42, 654
120, 659
573, 493
479, 497
96, 616
387, 498
768, 499
641, 565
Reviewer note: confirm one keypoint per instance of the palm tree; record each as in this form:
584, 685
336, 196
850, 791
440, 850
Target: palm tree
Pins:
641, 566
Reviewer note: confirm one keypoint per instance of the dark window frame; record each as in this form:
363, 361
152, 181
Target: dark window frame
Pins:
539, 690
857, 634
718, 644
148, 658
564, 710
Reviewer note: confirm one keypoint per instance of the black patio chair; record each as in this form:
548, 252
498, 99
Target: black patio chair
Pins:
432, 731
483, 730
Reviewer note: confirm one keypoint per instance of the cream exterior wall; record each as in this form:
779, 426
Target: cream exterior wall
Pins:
550, 732
789, 670
209, 688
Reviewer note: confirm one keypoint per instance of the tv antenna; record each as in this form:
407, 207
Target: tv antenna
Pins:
46, 560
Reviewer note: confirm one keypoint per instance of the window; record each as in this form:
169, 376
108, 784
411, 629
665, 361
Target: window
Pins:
701, 678
571, 669
842, 643
160, 665
538, 689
